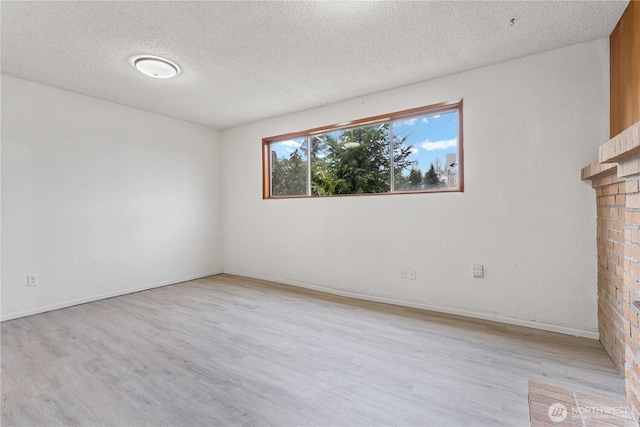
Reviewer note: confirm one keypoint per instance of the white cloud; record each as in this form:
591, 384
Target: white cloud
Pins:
414, 150
439, 145
425, 120
288, 146
291, 143
409, 122
437, 116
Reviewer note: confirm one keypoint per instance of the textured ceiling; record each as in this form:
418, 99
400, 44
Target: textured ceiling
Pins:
244, 61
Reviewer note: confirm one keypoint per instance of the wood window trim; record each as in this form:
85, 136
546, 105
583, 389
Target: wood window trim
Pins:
442, 107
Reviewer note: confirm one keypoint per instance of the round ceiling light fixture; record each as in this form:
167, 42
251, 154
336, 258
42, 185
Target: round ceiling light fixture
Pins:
154, 66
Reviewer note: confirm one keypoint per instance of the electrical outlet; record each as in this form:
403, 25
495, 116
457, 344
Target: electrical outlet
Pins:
411, 274
403, 273
478, 271
32, 280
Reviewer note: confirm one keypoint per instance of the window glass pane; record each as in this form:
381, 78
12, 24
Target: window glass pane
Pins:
351, 161
432, 144
424, 155
289, 167
323, 182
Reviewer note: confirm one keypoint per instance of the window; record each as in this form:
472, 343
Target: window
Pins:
417, 150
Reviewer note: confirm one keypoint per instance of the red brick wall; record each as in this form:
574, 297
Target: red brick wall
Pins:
610, 199
616, 180
631, 292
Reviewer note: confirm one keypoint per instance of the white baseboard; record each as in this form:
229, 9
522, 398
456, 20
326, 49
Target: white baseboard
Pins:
103, 296
476, 314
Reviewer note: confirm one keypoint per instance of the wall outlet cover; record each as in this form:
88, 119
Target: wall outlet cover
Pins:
478, 270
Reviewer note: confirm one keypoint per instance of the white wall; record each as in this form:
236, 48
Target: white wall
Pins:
530, 125
99, 199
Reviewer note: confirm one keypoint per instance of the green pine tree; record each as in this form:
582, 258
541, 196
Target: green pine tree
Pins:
431, 177
415, 178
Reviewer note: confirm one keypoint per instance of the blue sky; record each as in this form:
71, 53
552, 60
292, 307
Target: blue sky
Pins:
432, 137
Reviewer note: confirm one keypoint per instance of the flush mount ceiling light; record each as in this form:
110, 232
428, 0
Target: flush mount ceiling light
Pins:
154, 66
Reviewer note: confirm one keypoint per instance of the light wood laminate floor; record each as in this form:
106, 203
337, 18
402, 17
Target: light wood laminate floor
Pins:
227, 350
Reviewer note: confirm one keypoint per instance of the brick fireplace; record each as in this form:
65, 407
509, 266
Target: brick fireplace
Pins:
616, 179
